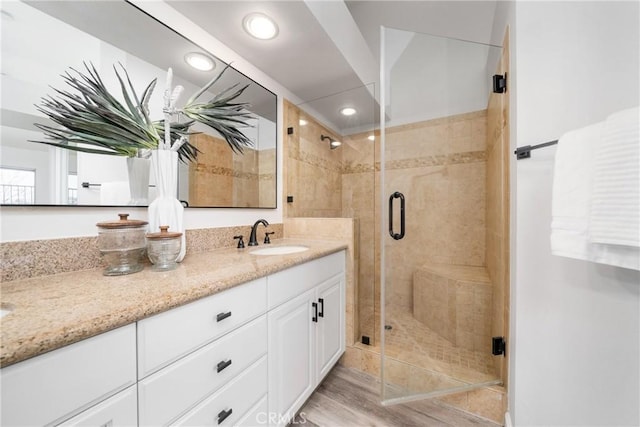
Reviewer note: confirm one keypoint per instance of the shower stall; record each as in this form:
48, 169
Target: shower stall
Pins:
444, 216
423, 168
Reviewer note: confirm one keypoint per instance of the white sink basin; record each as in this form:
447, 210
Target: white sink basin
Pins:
279, 250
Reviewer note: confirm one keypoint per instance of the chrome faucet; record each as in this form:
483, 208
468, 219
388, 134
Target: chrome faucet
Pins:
253, 241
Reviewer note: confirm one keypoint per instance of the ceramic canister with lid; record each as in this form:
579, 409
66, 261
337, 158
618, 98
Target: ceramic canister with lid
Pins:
163, 248
122, 245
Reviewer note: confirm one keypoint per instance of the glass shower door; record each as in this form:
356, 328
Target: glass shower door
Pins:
436, 293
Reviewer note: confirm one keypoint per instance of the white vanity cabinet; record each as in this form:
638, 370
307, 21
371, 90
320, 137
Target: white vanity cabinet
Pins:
247, 356
56, 386
306, 331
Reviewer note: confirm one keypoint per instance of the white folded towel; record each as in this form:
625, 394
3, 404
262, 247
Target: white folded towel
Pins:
578, 230
571, 197
615, 209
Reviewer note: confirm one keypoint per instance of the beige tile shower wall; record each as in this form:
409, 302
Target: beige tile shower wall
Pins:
267, 178
497, 215
246, 178
222, 178
313, 171
360, 200
440, 167
214, 165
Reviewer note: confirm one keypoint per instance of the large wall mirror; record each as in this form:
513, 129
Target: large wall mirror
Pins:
42, 39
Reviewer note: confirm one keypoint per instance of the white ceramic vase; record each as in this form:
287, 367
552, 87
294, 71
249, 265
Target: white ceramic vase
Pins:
138, 169
166, 209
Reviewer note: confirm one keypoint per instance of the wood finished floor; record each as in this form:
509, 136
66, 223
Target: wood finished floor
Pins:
348, 397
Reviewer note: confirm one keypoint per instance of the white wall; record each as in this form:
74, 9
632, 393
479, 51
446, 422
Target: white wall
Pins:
26, 223
575, 328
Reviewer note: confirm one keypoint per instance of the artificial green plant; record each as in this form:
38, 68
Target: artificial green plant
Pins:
91, 120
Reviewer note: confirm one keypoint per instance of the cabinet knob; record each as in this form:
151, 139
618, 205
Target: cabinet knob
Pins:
314, 318
321, 301
224, 414
221, 316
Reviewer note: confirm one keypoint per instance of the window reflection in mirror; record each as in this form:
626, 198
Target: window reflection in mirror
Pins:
41, 40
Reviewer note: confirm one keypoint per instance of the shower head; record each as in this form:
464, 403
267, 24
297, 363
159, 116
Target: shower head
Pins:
333, 144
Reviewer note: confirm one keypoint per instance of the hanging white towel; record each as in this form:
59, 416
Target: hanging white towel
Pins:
615, 208
571, 197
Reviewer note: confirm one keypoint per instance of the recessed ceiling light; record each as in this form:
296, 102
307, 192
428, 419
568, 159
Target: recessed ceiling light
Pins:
200, 61
348, 111
371, 138
260, 26
303, 122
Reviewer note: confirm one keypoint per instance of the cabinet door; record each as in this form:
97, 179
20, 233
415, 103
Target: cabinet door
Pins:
330, 337
291, 356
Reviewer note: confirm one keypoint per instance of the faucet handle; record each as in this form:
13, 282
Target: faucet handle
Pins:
240, 241
266, 237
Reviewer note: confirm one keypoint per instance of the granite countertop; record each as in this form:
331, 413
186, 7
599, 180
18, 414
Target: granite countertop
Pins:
49, 312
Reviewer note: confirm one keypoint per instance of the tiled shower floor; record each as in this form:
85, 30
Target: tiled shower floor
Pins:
420, 358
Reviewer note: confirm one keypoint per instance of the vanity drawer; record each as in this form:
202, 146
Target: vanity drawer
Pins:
168, 393
57, 385
118, 410
241, 396
167, 336
287, 284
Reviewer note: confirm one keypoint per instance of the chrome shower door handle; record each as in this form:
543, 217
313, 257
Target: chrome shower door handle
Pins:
396, 195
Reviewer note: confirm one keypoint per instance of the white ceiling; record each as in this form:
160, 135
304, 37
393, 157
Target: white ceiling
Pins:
301, 58
463, 20
311, 57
